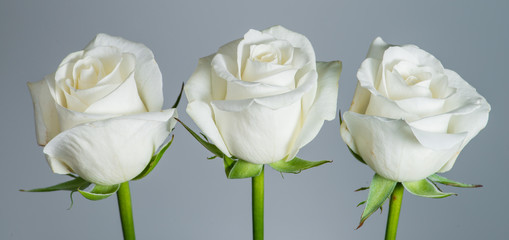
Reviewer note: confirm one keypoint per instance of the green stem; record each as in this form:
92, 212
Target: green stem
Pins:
126, 212
394, 209
257, 201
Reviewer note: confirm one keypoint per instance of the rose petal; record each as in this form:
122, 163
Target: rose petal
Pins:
391, 149
147, 74
123, 100
296, 39
471, 119
111, 151
256, 133
45, 113
198, 91
324, 105
377, 48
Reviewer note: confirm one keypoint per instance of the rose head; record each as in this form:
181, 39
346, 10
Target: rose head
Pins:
410, 117
263, 97
99, 115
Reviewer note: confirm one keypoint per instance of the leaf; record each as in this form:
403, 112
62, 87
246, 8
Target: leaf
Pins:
72, 185
425, 188
175, 105
445, 181
379, 190
154, 161
244, 169
295, 165
209, 146
100, 192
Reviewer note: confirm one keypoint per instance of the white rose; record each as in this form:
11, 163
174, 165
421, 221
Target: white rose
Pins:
263, 97
410, 117
99, 115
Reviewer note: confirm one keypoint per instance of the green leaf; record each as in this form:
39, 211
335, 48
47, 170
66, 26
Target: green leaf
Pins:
424, 188
244, 169
72, 185
209, 146
175, 105
154, 161
379, 190
296, 165
445, 181
100, 192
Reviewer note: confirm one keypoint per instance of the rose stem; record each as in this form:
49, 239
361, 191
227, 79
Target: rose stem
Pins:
126, 212
257, 201
394, 209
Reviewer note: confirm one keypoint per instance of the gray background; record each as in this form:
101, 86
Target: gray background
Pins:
188, 196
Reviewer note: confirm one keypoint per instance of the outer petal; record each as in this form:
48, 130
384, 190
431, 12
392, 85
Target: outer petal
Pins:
111, 151
257, 133
45, 113
324, 105
466, 121
397, 151
198, 91
262, 130
377, 48
147, 74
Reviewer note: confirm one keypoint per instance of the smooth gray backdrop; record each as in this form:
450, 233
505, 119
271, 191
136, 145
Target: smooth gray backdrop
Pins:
188, 196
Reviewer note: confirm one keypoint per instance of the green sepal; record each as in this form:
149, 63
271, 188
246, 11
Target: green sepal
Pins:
243, 169
209, 146
154, 161
72, 185
361, 189
228, 164
100, 192
175, 105
296, 165
425, 188
442, 180
379, 190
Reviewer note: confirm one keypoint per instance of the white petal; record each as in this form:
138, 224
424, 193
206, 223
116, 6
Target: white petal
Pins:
198, 90
296, 39
324, 105
68, 118
257, 133
202, 115
147, 74
472, 118
123, 100
111, 151
392, 150
377, 48
45, 113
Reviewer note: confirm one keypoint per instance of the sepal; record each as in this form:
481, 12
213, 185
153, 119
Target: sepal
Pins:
379, 190
209, 146
100, 192
154, 161
425, 188
242, 169
72, 185
175, 105
442, 180
295, 165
